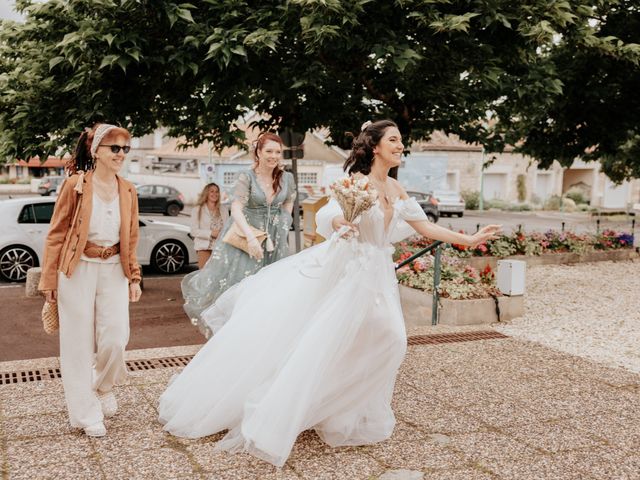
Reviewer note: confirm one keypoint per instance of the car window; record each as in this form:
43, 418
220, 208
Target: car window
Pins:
417, 196
36, 213
43, 212
160, 190
145, 190
27, 215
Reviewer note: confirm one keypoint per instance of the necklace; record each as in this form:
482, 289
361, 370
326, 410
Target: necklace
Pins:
382, 192
267, 187
107, 191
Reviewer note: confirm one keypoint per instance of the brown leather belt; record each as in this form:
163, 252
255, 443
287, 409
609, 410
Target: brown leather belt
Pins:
96, 251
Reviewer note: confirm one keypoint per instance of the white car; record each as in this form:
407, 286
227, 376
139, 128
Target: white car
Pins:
167, 247
450, 203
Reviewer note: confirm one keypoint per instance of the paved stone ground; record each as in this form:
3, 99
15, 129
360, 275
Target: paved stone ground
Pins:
489, 409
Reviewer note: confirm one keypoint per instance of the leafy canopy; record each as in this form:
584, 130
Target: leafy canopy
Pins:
197, 68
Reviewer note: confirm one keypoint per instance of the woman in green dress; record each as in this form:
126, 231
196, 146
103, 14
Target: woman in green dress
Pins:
263, 198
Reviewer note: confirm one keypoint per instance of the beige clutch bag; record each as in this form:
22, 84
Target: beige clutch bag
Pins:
236, 237
50, 319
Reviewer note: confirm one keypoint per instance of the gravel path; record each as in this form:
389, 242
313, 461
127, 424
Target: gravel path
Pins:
591, 310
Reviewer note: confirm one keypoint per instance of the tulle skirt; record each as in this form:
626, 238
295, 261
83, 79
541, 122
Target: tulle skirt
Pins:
312, 341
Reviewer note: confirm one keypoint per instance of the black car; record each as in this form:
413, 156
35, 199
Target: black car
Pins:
159, 199
428, 203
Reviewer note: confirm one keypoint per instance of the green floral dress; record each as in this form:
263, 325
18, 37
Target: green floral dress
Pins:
229, 265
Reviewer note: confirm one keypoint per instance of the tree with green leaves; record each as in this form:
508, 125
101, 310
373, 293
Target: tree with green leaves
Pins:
597, 114
198, 68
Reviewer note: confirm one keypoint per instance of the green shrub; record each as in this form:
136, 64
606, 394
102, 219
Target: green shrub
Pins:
496, 203
502, 247
568, 205
552, 203
519, 207
576, 195
471, 199
521, 186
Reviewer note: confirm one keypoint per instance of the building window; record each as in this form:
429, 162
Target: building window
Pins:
229, 178
307, 178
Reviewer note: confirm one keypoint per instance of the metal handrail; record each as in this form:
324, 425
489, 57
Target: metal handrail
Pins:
422, 252
436, 273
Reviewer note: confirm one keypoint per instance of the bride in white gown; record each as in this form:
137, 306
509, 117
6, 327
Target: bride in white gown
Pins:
314, 340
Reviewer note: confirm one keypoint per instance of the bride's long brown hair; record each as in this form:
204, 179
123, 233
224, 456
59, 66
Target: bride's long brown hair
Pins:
279, 170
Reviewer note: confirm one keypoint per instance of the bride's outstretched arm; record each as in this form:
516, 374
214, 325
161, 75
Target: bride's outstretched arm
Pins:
435, 232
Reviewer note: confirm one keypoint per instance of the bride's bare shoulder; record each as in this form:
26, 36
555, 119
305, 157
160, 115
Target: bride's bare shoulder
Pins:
399, 191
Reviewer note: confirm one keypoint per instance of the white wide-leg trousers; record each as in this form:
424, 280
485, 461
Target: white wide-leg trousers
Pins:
93, 306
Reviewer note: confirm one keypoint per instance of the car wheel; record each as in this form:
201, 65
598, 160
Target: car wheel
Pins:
15, 261
432, 218
169, 257
460, 214
173, 209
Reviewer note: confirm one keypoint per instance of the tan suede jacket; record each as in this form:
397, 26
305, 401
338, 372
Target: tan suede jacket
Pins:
67, 239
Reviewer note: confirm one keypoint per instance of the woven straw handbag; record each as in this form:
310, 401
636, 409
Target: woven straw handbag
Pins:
50, 319
236, 237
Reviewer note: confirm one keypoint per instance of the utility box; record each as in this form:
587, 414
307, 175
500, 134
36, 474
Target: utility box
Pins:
310, 207
510, 277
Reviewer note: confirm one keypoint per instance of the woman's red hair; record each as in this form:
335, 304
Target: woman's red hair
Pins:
278, 171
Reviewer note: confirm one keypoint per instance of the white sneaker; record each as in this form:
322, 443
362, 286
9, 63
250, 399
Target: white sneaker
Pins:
96, 430
109, 404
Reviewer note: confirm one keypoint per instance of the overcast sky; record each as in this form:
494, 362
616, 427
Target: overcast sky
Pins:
7, 11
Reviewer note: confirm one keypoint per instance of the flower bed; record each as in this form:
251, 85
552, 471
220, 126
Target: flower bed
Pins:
468, 273
536, 243
457, 280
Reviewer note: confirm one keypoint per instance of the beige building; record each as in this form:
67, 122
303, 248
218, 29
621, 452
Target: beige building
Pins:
499, 180
157, 159
443, 162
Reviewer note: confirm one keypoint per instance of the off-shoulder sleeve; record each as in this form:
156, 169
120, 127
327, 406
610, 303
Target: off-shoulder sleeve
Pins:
324, 217
242, 189
409, 211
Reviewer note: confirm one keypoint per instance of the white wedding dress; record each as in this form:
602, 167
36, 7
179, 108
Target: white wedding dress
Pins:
314, 340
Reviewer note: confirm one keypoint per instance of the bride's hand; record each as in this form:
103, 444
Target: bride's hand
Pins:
490, 232
255, 249
339, 223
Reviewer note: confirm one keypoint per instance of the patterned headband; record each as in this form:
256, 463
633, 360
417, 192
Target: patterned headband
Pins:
101, 131
365, 125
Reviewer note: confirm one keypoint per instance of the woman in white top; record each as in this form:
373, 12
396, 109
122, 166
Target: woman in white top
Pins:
90, 270
207, 220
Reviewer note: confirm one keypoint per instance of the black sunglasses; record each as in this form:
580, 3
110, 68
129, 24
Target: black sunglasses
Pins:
117, 148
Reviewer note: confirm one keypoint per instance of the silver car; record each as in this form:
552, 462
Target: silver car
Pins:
167, 247
450, 203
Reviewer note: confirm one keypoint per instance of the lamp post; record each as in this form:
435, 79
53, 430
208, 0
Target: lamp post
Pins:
481, 199
294, 141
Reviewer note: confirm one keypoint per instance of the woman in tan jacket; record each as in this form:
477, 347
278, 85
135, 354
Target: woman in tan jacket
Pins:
90, 270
